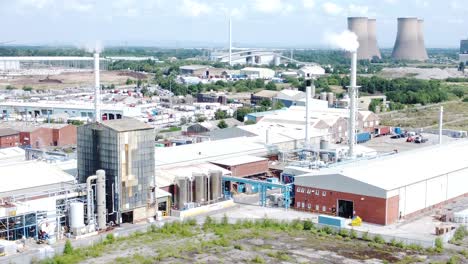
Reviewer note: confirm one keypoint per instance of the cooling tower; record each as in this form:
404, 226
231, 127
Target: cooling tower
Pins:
422, 45
358, 25
372, 46
407, 45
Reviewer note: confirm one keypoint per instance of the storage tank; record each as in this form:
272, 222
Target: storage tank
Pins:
183, 197
277, 60
331, 99
323, 96
324, 144
76, 215
215, 184
200, 187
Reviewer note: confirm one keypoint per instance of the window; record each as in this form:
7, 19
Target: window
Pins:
298, 204
309, 206
317, 207
303, 204
317, 192
324, 208
324, 193
308, 191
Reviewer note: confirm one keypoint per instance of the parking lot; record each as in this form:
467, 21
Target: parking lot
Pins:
385, 144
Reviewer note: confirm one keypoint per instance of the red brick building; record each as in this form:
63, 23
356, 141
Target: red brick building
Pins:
38, 135
9, 138
244, 166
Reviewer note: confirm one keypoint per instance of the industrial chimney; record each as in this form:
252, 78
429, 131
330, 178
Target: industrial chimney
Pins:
230, 41
407, 44
358, 25
97, 89
372, 46
352, 91
422, 45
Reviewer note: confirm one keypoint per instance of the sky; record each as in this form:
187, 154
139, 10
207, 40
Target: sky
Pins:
186, 23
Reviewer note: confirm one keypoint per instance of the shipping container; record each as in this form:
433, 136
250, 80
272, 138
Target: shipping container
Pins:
363, 137
397, 130
382, 131
331, 221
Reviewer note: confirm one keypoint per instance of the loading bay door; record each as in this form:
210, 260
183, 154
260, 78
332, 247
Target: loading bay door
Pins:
345, 209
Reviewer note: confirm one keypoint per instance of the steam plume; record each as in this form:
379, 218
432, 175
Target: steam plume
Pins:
345, 40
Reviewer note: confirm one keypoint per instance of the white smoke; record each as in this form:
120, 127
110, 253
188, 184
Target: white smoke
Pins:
345, 40
93, 47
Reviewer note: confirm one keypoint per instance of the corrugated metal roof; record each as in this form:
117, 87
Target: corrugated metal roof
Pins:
126, 124
7, 132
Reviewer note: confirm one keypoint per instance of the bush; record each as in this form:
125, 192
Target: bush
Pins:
454, 260
353, 234
439, 245
68, 249
110, 238
327, 230
465, 100
152, 228
258, 259
366, 237
308, 225
238, 247
344, 233
379, 239
414, 247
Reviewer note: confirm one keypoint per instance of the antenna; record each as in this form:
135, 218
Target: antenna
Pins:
352, 91
230, 41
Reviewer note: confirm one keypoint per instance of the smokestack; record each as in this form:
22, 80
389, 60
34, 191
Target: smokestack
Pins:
372, 46
407, 44
230, 41
422, 45
352, 91
101, 199
358, 25
97, 89
308, 97
441, 118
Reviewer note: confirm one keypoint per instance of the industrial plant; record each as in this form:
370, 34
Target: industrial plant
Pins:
409, 44
366, 31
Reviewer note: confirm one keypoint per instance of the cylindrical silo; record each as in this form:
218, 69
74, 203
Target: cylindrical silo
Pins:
422, 45
324, 144
277, 60
182, 185
215, 184
200, 187
407, 45
76, 215
323, 96
372, 46
331, 99
101, 199
358, 25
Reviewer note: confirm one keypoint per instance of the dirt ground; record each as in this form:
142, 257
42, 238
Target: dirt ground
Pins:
455, 116
67, 79
420, 73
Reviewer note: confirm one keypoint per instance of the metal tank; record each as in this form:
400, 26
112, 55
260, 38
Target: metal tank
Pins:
101, 199
358, 25
323, 96
372, 46
324, 144
331, 99
407, 45
200, 187
215, 184
76, 215
277, 60
183, 197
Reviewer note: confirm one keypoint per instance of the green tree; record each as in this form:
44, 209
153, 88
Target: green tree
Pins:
68, 249
278, 105
271, 86
265, 103
241, 112
139, 82
27, 88
10, 87
220, 114
129, 81
222, 124
259, 83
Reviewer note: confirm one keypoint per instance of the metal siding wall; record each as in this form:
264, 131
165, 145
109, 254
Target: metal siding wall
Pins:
415, 197
457, 183
436, 190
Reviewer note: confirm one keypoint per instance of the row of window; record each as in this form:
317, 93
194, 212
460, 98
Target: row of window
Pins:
309, 206
310, 191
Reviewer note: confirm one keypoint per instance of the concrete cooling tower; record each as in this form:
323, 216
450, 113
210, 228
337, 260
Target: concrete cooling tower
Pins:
422, 45
372, 47
358, 25
408, 45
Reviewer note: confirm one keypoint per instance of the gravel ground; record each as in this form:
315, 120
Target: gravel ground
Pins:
420, 73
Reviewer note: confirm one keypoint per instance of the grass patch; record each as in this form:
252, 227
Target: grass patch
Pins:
258, 259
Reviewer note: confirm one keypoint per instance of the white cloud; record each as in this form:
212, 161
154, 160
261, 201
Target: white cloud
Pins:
268, 6
309, 4
78, 5
358, 10
36, 3
194, 8
391, 1
332, 8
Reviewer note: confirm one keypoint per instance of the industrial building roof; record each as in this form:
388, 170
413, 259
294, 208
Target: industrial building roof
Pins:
194, 67
230, 132
238, 160
9, 155
266, 93
126, 124
7, 132
167, 176
31, 174
399, 170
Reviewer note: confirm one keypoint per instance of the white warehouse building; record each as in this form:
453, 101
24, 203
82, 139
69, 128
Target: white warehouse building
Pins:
254, 73
390, 188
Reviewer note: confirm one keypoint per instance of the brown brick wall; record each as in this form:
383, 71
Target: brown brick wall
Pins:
393, 209
66, 135
247, 169
370, 209
9, 141
41, 137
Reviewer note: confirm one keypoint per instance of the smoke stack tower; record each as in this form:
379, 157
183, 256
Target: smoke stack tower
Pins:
359, 25
372, 46
97, 89
230, 41
422, 45
408, 45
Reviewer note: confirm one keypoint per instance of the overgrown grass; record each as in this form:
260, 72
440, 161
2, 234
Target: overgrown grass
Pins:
459, 235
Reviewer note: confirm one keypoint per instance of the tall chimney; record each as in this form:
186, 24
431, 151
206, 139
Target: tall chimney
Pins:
422, 45
407, 44
372, 48
97, 89
230, 41
352, 106
441, 120
307, 116
358, 25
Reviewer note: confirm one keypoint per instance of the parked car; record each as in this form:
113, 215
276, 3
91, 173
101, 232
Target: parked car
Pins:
420, 139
